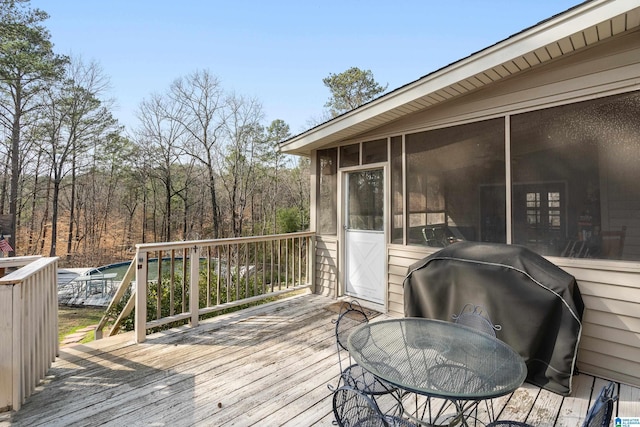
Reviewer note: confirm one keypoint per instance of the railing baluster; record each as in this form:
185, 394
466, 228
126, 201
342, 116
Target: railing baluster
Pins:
247, 285
194, 281
286, 256
264, 266
239, 266
172, 286
299, 246
272, 263
184, 280
218, 265
280, 264
208, 276
159, 287
228, 273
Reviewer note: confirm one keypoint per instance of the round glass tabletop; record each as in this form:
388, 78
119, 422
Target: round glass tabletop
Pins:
437, 358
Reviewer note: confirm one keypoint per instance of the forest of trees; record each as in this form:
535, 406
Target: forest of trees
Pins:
201, 163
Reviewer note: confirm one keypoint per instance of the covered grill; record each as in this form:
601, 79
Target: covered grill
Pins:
538, 305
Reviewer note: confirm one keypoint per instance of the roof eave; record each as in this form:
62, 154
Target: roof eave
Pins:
586, 18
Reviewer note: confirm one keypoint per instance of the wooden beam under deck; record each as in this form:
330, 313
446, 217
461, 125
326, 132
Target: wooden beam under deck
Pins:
267, 365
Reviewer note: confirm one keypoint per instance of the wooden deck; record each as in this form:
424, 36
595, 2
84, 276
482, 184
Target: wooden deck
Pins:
267, 366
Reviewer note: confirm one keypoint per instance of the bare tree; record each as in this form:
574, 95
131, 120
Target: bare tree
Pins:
203, 113
277, 132
162, 133
110, 157
92, 126
74, 120
34, 187
243, 134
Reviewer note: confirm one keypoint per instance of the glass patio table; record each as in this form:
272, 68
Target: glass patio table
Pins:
439, 359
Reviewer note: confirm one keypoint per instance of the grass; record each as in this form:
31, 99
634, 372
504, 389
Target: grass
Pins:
72, 319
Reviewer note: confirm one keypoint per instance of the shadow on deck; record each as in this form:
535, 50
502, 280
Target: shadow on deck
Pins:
266, 365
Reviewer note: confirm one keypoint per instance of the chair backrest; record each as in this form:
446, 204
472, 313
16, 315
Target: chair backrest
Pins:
435, 235
351, 315
600, 412
354, 408
508, 423
613, 243
476, 317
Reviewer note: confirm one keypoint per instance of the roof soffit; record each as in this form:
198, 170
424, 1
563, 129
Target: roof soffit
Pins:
577, 28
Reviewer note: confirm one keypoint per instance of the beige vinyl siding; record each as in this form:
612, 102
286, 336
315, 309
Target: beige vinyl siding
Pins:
400, 258
326, 274
610, 343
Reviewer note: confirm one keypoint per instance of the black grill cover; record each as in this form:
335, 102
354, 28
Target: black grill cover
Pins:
537, 304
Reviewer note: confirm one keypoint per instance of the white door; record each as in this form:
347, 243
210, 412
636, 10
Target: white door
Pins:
364, 235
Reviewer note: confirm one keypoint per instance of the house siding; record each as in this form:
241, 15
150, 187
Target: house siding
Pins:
400, 258
610, 341
326, 266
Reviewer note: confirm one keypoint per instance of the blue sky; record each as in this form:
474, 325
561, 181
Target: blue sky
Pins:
278, 51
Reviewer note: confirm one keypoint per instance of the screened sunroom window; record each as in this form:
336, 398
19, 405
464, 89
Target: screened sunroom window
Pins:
455, 183
397, 210
327, 192
349, 155
576, 179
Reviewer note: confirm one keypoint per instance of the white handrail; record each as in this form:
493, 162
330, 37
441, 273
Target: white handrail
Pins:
18, 261
28, 328
235, 271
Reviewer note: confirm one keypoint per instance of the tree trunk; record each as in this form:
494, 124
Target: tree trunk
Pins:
72, 207
214, 203
54, 216
15, 167
144, 213
3, 190
34, 199
168, 211
43, 225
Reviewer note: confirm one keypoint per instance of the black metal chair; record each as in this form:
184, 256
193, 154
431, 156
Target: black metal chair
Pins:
475, 316
353, 408
353, 375
506, 423
599, 414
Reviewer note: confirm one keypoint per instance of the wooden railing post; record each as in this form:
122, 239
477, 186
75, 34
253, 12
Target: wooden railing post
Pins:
9, 370
311, 260
17, 370
223, 274
194, 288
140, 322
28, 327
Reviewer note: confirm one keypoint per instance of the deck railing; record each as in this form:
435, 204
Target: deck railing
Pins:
221, 273
28, 326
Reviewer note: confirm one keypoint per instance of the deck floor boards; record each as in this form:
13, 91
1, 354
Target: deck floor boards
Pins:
263, 366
